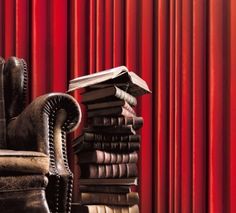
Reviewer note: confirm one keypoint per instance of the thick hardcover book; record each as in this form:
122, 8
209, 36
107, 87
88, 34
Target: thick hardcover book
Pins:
113, 130
136, 122
111, 93
104, 209
106, 146
128, 199
108, 138
123, 86
102, 157
106, 189
135, 85
108, 181
109, 170
114, 111
110, 104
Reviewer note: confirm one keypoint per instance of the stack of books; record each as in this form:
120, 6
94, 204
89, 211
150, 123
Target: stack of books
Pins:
108, 148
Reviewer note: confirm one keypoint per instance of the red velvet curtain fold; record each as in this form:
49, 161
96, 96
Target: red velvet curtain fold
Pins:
184, 49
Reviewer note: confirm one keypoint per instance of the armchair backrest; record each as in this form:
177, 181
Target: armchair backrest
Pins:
15, 86
3, 144
13, 90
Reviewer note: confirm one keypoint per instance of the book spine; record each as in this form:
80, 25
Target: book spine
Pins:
131, 198
107, 146
108, 171
128, 121
106, 189
111, 138
129, 108
133, 209
118, 111
102, 157
109, 209
136, 122
127, 113
96, 209
117, 130
109, 182
125, 96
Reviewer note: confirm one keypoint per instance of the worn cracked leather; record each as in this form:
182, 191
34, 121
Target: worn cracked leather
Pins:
15, 86
28, 201
3, 143
22, 182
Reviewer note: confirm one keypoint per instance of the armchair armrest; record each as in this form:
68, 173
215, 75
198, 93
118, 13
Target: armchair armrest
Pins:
42, 127
34, 127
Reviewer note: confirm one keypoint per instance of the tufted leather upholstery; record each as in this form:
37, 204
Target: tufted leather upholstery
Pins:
33, 144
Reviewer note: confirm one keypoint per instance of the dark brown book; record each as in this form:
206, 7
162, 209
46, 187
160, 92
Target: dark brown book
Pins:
102, 157
111, 93
108, 170
104, 209
123, 86
106, 146
114, 111
108, 181
110, 104
128, 199
136, 122
108, 138
106, 189
113, 130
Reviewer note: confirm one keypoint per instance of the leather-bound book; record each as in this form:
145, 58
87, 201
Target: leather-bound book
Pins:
117, 130
114, 111
136, 122
108, 170
104, 209
128, 199
108, 94
89, 136
107, 146
110, 104
106, 189
102, 157
109, 181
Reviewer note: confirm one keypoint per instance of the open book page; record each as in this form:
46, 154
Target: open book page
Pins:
96, 78
118, 76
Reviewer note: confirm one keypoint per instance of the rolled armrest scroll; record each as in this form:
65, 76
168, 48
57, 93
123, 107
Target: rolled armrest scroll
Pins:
31, 129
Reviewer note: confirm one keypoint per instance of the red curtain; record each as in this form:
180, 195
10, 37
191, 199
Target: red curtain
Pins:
184, 49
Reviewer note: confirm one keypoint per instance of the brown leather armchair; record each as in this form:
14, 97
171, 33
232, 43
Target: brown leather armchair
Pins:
33, 152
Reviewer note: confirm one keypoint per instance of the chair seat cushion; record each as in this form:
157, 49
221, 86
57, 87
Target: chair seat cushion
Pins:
23, 193
23, 162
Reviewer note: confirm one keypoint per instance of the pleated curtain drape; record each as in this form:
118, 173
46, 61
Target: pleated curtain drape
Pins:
184, 49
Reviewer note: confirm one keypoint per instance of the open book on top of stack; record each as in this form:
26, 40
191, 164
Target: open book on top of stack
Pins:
119, 76
108, 148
